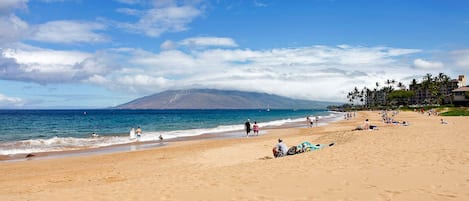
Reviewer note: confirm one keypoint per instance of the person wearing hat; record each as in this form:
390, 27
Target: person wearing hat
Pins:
280, 149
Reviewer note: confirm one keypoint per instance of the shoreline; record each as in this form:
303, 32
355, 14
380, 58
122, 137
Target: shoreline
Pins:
136, 146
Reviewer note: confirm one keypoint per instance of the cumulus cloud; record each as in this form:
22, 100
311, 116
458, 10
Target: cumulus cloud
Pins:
421, 63
49, 66
315, 72
166, 16
69, 32
312, 72
12, 29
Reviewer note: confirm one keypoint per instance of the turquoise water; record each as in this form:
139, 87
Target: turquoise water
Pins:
26, 131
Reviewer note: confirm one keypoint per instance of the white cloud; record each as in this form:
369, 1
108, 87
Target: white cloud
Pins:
316, 72
199, 42
69, 32
129, 11
259, 4
208, 41
420, 63
10, 102
168, 45
461, 57
8, 5
12, 29
44, 66
167, 17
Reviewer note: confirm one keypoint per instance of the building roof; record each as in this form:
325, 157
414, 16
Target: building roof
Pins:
461, 89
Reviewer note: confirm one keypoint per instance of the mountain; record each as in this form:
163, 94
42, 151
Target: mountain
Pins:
219, 99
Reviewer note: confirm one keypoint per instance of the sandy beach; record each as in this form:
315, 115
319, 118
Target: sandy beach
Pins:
424, 161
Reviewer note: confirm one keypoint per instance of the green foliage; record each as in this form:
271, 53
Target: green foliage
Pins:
401, 94
456, 112
466, 94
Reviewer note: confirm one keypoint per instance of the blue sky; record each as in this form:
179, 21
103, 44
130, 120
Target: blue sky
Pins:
94, 54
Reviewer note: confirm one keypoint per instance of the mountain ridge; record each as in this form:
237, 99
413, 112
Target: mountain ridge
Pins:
219, 99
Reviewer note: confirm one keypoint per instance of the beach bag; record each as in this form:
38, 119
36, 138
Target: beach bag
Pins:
292, 150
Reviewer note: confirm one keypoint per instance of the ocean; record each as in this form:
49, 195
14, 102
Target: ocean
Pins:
33, 131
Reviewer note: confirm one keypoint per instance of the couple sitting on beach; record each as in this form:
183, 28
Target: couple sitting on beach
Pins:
281, 148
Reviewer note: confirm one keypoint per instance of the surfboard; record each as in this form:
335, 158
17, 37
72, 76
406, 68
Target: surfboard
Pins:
132, 134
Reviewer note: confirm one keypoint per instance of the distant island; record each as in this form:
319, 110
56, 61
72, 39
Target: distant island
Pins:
219, 99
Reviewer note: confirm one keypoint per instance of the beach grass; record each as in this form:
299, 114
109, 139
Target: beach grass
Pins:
456, 112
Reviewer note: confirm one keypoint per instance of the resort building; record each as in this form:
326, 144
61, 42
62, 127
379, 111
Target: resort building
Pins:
452, 91
423, 95
376, 98
461, 96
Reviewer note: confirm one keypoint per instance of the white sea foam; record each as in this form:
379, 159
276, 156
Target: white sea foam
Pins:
70, 143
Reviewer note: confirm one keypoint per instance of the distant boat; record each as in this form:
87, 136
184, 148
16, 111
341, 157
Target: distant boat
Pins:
268, 108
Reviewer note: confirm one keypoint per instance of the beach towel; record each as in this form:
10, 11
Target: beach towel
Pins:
307, 146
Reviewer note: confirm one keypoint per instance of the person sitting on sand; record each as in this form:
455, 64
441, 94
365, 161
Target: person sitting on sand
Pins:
443, 121
280, 149
366, 125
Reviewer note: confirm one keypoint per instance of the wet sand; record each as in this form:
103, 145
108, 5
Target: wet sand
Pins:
424, 161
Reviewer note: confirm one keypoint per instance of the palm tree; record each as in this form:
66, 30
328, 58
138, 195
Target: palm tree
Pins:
362, 95
401, 86
427, 85
368, 94
417, 90
443, 83
414, 82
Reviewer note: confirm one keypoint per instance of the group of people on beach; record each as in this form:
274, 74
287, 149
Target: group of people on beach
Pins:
349, 115
310, 121
429, 112
248, 128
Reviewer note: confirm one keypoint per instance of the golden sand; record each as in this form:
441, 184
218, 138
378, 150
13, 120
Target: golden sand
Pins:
424, 161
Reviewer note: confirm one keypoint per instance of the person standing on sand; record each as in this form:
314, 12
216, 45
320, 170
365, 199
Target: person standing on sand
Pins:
309, 122
255, 128
317, 120
247, 127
